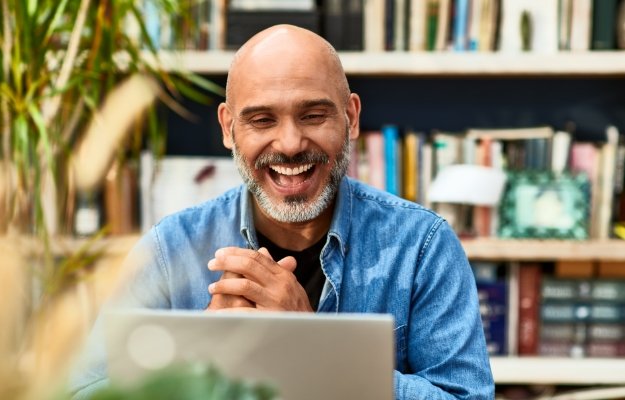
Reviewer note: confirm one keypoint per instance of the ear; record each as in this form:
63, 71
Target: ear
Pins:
353, 115
225, 120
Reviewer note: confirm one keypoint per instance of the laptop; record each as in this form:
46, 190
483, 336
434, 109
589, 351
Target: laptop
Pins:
303, 355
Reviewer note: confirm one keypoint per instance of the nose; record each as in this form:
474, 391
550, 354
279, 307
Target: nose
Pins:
290, 139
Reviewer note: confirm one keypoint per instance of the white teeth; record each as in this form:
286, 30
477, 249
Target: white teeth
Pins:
291, 171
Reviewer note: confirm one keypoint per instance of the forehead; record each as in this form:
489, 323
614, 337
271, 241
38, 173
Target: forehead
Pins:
283, 74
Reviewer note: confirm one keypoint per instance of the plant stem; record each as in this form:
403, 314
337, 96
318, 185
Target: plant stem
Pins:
51, 108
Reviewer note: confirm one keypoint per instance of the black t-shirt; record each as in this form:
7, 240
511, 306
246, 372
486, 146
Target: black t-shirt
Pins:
308, 271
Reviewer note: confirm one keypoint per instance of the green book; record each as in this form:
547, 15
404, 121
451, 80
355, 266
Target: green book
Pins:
604, 25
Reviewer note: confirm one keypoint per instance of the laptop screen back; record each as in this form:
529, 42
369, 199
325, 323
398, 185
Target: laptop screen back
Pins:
303, 355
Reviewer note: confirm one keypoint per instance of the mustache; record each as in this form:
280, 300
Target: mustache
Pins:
304, 157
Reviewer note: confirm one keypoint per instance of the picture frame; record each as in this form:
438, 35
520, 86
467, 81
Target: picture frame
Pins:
544, 205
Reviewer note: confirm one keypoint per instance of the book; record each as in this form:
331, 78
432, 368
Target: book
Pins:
152, 23
560, 150
574, 269
603, 24
606, 183
374, 144
620, 26
565, 8
608, 290
460, 25
488, 25
343, 24
442, 25
581, 25
392, 158
121, 199
493, 305
584, 158
474, 25
529, 279
538, 132
482, 215
411, 148
373, 27
401, 25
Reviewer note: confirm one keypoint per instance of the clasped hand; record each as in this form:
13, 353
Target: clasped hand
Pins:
252, 279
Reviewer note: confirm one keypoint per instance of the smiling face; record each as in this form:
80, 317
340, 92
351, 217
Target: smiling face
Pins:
288, 119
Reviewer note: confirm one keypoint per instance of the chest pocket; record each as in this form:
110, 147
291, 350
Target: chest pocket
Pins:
401, 348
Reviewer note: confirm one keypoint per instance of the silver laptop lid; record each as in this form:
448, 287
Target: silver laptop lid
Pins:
303, 355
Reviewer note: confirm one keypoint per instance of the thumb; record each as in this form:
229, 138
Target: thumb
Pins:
288, 263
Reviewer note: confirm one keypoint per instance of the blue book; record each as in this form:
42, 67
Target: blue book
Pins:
493, 312
152, 22
392, 157
460, 28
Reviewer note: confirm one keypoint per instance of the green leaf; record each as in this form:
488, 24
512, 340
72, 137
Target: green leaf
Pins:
32, 7
205, 84
55, 22
43, 134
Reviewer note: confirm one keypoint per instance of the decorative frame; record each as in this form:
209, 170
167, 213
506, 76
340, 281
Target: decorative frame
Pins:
541, 204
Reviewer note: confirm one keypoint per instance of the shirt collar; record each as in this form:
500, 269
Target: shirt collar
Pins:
339, 227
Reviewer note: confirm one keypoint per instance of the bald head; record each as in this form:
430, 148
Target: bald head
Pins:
287, 49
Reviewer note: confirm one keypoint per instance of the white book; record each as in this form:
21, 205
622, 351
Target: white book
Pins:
400, 20
217, 34
475, 24
442, 38
373, 29
418, 15
560, 149
581, 25
606, 182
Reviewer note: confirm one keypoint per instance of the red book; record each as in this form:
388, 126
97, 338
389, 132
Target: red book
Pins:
529, 306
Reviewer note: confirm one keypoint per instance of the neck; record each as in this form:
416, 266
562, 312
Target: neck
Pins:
293, 236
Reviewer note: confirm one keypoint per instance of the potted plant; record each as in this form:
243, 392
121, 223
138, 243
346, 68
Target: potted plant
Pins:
60, 61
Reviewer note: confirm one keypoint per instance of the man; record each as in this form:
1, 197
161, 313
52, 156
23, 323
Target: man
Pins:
300, 236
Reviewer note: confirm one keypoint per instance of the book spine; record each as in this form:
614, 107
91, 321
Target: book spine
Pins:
390, 134
375, 155
529, 303
461, 17
603, 24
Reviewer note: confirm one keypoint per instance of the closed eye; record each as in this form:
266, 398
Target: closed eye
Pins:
261, 122
314, 118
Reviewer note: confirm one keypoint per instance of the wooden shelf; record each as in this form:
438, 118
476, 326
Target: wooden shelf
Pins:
599, 63
544, 250
562, 371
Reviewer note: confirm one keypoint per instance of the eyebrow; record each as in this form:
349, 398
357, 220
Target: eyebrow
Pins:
302, 105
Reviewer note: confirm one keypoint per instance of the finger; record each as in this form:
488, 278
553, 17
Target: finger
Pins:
265, 252
247, 288
221, 301
288, 263
253, 265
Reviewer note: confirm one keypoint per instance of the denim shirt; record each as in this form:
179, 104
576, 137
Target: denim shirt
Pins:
383, 254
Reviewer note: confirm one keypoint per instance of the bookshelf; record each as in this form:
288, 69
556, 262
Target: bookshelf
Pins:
438, 64
493, 249
372, 70
506, 369
556, 370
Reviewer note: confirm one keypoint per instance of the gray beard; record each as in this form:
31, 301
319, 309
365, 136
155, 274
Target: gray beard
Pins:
294, 209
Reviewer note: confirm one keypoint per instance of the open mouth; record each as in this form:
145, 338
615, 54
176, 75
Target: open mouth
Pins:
290, 176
